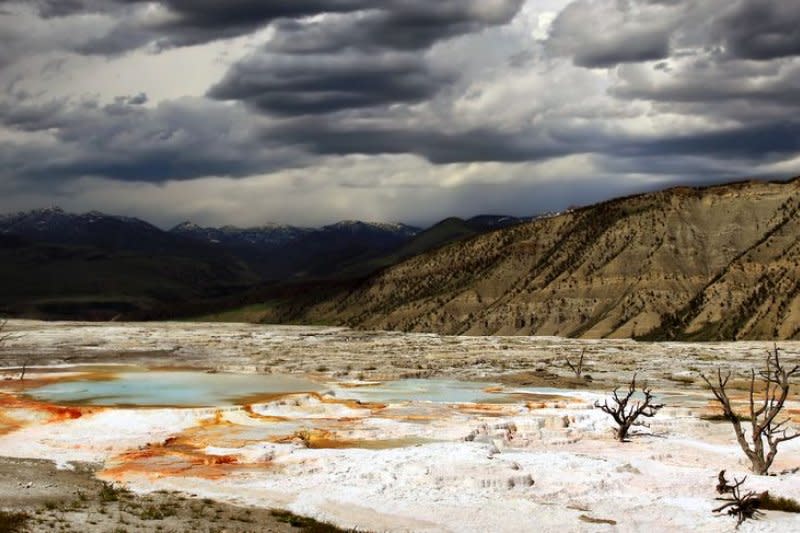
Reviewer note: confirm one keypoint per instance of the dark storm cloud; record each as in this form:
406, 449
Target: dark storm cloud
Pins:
187, 22
605, 33
420, 19
177, 140
192, 22
706, 82
758, 142
662, 88
324, 83
202, 13
647, 47
63, 8
408, 25
355, 61
761, 30
755, 142
331, 137
399, 24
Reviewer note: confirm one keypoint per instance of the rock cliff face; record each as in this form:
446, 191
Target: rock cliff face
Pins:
713, 263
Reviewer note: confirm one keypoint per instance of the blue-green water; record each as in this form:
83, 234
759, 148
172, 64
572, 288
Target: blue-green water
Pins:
171, 388
200, 389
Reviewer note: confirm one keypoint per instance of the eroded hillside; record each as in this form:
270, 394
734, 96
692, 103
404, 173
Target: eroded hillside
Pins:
713, 263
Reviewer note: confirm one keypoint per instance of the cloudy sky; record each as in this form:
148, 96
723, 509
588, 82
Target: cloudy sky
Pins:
311, 111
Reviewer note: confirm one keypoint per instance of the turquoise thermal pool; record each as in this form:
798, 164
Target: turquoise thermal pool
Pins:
199, 389
171, 388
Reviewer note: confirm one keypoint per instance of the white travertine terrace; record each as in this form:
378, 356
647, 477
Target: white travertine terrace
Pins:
531, 461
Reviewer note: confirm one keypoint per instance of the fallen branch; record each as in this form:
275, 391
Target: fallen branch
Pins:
742, 506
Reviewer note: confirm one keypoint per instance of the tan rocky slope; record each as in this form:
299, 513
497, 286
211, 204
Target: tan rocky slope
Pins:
713, 263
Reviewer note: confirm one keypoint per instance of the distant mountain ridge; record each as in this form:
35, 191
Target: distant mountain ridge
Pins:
713, 263
54, 225
272, 235
95, 265
280, 252
268, 235
55, 264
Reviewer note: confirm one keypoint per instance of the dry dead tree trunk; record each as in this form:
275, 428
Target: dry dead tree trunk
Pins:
625, 413
742, 506
579, 368
766, 432
3, 338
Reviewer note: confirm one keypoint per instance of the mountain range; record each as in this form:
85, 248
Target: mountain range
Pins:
94, 265
710, 263
279, 252
687, 263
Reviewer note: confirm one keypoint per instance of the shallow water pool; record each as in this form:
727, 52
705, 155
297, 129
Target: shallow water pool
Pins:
171, 388
186, 388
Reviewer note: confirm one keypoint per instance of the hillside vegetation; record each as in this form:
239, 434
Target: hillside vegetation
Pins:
687, 263
40, 280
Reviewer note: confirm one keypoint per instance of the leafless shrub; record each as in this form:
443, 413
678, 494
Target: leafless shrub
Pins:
4, 336
626, 412
766, 432
578, 369
742, 506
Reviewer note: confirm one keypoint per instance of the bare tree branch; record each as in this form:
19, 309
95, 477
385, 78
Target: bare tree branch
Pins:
625, 413
742, 506
579, 368
766, 432
7, 336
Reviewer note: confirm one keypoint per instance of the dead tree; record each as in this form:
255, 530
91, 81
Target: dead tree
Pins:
742, 506
626, 412
4, 337
766, 432
579, 368
7, 336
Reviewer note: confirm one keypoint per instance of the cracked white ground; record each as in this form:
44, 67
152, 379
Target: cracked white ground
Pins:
464, 445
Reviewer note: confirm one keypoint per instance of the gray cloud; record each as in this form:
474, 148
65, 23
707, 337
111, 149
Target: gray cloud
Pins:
396, 24
609, 32
756, 142
63, 8
183, 139
759, 30
605, 33
180, 22
355, 61
326, 83
394, 105
408, 25
332, 137
199, 13
701, 79
751, 142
